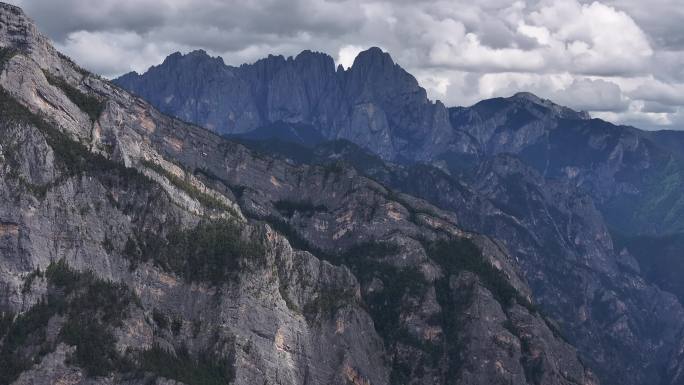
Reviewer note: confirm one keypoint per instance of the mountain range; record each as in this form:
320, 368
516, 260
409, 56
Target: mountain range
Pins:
290, 222
573, 198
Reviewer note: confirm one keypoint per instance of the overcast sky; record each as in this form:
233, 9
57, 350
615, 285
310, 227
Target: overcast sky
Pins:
622, 60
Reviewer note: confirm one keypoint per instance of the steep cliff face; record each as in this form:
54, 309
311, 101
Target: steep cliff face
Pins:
140, 249
560, 242
375, 102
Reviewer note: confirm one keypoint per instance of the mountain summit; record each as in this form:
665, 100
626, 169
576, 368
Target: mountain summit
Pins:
367, 103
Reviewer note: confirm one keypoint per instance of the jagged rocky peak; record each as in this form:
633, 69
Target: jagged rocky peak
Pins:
375, 71
314, 56
533, 104
177, 62
317, 64
173, 58
19, 33
193, 59
363, 103
509, 124
198, 55
528, 96
16, 29
561, 111
373, 57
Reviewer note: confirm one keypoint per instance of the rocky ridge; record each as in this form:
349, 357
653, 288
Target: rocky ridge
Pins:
374, 102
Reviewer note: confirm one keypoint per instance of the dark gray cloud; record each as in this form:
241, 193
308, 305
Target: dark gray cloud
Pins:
658, 108
60, 18
661, 19
621, 59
